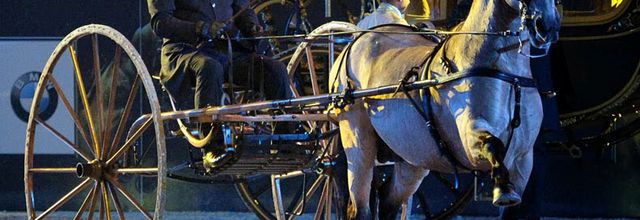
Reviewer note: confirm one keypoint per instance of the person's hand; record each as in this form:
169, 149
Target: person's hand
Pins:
216, 28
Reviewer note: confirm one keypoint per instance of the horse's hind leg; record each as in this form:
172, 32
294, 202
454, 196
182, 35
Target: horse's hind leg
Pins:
358, 139
405, 181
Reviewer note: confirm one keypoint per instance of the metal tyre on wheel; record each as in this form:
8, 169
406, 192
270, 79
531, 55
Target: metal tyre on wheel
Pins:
109, 170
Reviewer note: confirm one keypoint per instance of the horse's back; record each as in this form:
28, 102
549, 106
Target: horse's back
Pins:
379, 59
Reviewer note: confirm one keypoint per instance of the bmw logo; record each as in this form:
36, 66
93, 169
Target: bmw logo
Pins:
22, 93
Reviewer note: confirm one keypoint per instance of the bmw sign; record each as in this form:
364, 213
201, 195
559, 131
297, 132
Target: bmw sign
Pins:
22, 93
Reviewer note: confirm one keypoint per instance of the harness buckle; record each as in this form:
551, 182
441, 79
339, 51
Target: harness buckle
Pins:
344, 99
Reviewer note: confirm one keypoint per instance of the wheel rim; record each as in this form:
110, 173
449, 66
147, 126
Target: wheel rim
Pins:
101, 177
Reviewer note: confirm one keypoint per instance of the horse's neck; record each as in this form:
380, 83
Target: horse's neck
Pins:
470, 51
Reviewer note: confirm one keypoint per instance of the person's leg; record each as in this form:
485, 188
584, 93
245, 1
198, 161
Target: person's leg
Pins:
276, 79
183, 71
209, 77
262, 72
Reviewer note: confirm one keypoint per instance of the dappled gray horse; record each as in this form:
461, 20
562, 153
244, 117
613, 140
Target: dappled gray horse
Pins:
486, 112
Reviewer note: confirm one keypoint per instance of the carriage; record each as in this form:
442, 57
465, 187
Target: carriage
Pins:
118, 156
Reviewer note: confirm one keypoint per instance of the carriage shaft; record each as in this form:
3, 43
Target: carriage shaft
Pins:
228, 112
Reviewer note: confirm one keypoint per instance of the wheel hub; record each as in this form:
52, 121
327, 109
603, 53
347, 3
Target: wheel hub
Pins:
94, 169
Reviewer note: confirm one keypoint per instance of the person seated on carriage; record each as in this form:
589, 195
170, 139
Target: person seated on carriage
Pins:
195, 55
389, 12
395, 12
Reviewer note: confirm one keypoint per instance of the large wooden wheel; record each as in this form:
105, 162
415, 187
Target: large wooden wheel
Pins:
115, 163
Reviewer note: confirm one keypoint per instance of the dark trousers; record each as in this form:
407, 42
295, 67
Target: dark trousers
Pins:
206, 70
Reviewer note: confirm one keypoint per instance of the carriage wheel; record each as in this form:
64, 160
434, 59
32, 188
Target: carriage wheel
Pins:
105, 169
256, 191
296, 24
308, 191
438, 198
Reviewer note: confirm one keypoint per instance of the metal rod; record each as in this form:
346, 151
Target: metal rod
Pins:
277, 197
327, 8
309, 193
222, 111
149, 170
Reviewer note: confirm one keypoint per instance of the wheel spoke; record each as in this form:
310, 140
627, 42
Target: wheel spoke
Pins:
310, 192
53, 170
112, 99
86, 202
116, 201
128, 196
130, 141
72, 113
65, 198
101, 212
146, 170
312, 71
329, 193
322, 202
66, 141
98, 82
125, 116
105, 200
85, 101
94, 200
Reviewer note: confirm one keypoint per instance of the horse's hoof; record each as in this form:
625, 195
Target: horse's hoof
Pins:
505, 196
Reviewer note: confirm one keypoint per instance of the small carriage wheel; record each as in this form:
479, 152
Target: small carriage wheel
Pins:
256, 191
306, 191
438, 198
266, 18
105, 168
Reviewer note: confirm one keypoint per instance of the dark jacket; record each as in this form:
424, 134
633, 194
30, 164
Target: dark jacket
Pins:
180, 22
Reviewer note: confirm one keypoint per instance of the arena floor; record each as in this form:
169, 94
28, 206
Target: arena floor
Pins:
250, 216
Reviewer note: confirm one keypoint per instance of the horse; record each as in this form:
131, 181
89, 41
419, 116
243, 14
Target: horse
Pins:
484, 114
